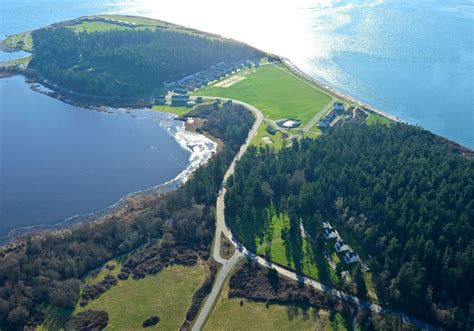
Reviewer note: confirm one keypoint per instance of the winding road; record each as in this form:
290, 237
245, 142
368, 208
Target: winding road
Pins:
241, 252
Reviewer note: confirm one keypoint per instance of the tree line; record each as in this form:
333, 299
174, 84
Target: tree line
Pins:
127, 63
406, 201
48, 270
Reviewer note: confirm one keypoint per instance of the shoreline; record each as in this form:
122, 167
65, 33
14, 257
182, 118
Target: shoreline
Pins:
200, 147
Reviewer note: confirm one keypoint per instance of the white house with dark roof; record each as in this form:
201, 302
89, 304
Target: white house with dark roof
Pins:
351, 257
329, 233
341, 246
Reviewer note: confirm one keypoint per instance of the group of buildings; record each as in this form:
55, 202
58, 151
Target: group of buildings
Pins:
116, 22
340, 246
179, 90
337, 108
204, 77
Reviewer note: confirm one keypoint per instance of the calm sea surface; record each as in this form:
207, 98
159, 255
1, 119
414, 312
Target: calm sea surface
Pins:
57, 160
413, 59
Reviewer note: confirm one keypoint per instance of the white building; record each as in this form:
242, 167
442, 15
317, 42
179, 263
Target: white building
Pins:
341, 246
329, 233
351, 257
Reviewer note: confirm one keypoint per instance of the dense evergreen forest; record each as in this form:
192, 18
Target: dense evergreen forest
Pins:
48, 270
129, 62
407, 201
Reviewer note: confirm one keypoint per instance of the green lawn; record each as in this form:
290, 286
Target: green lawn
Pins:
277, 140
23, 62
276, 92
229, 315
93, 26
173, 110
379, 119
22, 41
280, 253
167, 294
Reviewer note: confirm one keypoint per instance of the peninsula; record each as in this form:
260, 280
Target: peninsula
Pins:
315, 203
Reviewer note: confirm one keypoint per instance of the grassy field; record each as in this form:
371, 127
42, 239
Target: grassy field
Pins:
263, 138
276, 92
167, 294
281, 254
228, 314
376, 118
23, 62
96, 26
22, 41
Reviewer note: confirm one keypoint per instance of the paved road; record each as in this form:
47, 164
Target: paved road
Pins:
221, 229
241, 251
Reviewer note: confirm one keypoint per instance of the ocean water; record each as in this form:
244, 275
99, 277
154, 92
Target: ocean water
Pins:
58, 160
413, 59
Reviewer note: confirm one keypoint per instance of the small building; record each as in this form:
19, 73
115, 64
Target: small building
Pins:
180, 90
341, 246
190, 104
351, 257
179, 100
289, 123
199, 100
271, 130
338, 107
159, 101
228, 103
329, 233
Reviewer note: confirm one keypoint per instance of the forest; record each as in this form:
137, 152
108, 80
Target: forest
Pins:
407, 201
127, 63
47, 270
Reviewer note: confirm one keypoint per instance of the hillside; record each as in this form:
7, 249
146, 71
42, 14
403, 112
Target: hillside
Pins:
404, 203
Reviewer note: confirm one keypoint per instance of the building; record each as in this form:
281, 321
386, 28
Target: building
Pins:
180, 90
179, 100
327, 120
329, 233
289, 123
190, 104
228, 103
271, 130
159, 101
351, 257
338, 107
199, 100
341, 246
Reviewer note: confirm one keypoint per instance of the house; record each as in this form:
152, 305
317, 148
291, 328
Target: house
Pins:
271, 130
341, 246
327, 120
159, 101
351, 257
329, 233
338, 107
180, 90
179, 100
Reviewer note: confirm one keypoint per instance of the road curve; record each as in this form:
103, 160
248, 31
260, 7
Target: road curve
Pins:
241, 251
